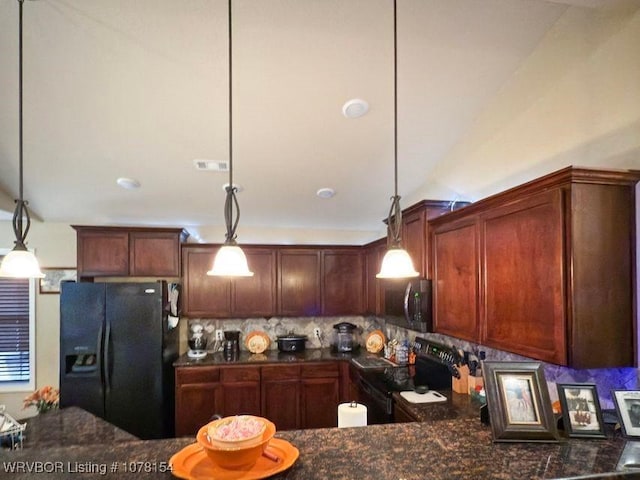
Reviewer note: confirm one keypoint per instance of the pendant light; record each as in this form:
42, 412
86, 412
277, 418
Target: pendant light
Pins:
20, 262
396, 263
230, 261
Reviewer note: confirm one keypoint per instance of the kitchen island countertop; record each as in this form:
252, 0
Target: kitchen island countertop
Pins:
459, 448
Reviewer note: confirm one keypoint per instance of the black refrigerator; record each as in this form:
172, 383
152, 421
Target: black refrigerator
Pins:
117, 353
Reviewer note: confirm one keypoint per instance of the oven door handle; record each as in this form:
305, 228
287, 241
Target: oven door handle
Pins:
377, 396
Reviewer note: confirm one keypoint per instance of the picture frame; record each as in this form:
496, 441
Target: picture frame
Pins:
627, 403
518, 402
50, 284
581, 413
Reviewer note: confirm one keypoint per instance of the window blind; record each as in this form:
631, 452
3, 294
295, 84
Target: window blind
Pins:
14, 330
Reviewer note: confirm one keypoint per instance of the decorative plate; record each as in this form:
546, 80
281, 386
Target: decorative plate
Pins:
375, 341
193, 463
257, 342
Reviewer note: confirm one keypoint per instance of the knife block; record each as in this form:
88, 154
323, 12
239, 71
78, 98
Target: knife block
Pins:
461, 385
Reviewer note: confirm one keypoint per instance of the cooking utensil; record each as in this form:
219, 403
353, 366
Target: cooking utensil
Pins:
291, 342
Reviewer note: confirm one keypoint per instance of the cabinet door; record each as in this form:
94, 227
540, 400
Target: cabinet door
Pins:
154, 254
373, 260
299, 282
319, 395
198, 398
523, 306
256, 296
281, 396
240, 391
103, 253
203, 295
319, 402
414, 239
456, 280
343, 282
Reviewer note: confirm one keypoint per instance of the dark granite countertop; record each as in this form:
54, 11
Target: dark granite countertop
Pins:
270, 356
459, 448
456, 406
71, 426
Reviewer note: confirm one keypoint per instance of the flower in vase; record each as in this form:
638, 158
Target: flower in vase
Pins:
44, 399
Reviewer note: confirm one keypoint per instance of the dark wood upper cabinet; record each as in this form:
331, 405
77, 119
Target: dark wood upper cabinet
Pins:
456, 279
299, 281
524, 277
374, 300
202, 294
415, 230
221, 297
343, 281
128, 251
154, 254
256, 296
555, 279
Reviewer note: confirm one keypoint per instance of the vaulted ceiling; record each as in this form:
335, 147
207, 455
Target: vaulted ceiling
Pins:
139, 89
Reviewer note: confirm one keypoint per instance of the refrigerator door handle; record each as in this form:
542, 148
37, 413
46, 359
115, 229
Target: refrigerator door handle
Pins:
99, 358
105, 359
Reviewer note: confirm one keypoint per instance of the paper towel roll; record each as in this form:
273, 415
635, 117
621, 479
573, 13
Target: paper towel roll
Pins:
352, 415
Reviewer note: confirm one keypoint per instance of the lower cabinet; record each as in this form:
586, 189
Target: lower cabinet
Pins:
291, 396
240, 391
198, 395
319, 395
281, 395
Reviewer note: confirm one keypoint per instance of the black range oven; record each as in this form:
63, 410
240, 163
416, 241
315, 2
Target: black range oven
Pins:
435, 365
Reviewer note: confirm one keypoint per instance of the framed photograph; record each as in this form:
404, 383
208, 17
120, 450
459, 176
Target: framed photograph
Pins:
518, 402
54, 276
627, 404
581, 413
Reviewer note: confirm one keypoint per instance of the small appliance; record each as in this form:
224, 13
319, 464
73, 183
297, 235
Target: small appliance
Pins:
344, 337
231, 346
197, 342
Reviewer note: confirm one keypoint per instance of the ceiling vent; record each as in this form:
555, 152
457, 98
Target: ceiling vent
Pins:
211, 165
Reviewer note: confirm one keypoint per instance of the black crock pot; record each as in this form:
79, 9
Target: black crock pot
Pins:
291, 342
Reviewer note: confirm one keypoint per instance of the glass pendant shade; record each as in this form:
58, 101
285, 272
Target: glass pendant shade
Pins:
20, 263
397, 264
230, 261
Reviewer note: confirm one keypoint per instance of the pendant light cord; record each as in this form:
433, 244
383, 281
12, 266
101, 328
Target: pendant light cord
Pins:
231, 201
394, 220
19, 229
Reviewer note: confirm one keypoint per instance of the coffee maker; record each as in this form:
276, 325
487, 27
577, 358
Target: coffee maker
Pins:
197, 342
231, 345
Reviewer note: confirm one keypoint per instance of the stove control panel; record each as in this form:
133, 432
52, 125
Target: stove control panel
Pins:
444, 354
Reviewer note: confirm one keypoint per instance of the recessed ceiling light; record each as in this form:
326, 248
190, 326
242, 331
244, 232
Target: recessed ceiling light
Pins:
239, 187
326, 192
355, 108
128, 183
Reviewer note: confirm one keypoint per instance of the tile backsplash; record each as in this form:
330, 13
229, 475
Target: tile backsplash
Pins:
606, 379
276, 326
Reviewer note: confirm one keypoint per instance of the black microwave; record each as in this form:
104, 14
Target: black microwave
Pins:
407, 302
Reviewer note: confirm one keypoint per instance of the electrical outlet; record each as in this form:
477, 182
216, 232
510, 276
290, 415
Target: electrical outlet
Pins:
219, 335
317, 333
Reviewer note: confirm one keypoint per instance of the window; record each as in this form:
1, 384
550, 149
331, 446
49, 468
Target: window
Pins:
17, 333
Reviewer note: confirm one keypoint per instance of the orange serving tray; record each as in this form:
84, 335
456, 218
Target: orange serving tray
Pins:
192, 463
